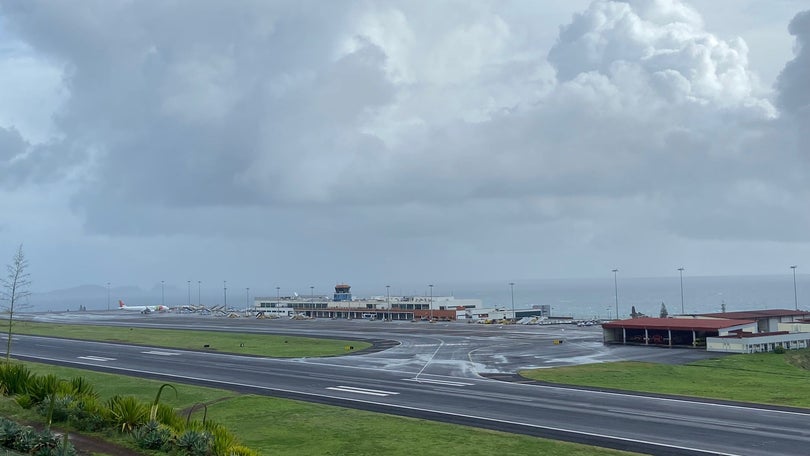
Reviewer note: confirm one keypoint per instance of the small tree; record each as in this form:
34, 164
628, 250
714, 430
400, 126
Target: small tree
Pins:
14, 289
664, 313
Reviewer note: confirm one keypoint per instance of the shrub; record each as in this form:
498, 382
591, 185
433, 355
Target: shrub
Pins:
195, 443
85, 414
81, 387
24, 401
153, 436
14, 378
8, 432
40, 387
166, 415
61, 407
25, 440
779, 350
126, 413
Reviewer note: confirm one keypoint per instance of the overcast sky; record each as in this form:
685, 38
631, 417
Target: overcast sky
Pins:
299, 143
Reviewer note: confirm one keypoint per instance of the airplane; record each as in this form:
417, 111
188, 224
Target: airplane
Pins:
141, 309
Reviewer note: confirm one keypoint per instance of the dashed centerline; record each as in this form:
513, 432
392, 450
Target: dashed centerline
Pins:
352, 389
96, 358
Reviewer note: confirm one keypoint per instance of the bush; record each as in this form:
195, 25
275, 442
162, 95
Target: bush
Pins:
14, 378
85, 414
153, 436
126, 413
61, 407
42, 386
195, 443
8, 432
779, 350
81, 387
24, 401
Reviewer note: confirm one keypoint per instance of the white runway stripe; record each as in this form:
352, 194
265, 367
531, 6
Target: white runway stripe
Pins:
160, 353
352, 389
96, 358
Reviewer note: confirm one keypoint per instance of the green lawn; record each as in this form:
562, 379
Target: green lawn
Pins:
238, 343
280, 426
767, 378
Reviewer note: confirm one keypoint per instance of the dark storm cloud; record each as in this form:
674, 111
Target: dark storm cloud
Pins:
794, 81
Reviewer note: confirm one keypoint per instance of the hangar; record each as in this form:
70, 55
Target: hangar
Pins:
672, 332
768, 320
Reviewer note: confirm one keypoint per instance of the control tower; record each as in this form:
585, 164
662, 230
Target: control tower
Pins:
342, 293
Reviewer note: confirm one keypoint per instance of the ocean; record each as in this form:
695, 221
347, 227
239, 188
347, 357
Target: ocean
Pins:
596, 298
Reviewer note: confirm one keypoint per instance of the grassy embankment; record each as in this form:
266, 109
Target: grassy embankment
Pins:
218, 341
767, 378
281, 426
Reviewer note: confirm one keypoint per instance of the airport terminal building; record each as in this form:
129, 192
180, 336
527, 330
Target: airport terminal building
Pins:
344, 305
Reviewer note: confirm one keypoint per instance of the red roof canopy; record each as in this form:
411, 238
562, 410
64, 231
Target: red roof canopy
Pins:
682, 324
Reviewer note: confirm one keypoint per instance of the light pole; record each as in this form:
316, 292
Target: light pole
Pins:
162, 294
225, 293
680, 270
311, 293
616, 291
795, 296
108, 296
199, 282
388, 299
512, 289
247, 298
431, 302
189, 292
278, 293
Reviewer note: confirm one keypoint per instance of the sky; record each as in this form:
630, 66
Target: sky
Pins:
306, 143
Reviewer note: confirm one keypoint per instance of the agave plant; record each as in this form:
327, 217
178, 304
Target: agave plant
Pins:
153, 411
195, 443
126, 412
153, 436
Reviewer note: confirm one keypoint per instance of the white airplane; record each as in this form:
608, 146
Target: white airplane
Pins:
142, 309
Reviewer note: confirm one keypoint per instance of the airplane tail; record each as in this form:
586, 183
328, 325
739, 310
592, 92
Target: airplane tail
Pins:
121, 304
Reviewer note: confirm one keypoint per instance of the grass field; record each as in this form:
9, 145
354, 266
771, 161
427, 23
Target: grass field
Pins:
768, 378
225, 342
281, 426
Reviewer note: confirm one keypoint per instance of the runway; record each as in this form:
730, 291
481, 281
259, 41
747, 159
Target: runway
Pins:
436, 373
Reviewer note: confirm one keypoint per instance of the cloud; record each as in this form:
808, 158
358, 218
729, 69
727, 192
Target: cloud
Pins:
794, 96
388, 124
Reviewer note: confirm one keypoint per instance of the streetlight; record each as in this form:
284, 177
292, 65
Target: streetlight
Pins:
680, 270
278, 295
431, 302
311, 293
247, 298
162, 294
388, 299
189, 292
512, 288
108, 296
795, 296
616, 291
199, 282
225, 293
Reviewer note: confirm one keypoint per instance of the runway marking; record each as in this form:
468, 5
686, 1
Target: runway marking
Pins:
161, 353
96, 358
352, 389
437, 382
